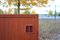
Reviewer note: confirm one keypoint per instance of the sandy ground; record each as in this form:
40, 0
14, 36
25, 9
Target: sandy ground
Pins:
49, 29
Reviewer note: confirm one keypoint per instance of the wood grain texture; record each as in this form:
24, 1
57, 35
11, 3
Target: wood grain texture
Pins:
13, 27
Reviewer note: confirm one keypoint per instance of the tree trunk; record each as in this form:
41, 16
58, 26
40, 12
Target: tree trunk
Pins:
18, 7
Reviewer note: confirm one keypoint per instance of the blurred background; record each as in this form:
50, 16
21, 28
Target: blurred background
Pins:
48, 11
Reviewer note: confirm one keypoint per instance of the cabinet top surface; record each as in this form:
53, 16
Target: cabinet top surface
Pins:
20, 15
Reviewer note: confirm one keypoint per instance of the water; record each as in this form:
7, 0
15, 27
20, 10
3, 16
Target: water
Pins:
45, 16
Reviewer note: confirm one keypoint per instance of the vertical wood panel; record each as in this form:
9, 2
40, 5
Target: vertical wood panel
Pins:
2, 29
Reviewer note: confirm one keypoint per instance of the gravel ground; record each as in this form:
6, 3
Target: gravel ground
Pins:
49, 29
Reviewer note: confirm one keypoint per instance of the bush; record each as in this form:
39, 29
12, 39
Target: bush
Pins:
59, 14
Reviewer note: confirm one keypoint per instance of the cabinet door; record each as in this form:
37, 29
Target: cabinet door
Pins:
2, 29
27, 29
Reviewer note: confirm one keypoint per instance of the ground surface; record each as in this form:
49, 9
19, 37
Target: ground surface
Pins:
49, 29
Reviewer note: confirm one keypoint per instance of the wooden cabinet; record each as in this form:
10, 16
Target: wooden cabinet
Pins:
18, 27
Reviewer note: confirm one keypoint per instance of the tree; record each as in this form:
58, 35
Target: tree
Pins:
27, 12
16, 3
33, 12
12, 1
59, 14
42, 2
55, 14
50, 13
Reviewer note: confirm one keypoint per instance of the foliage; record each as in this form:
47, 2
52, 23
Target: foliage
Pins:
59, 14
35, 3
1, 11
10, 11
27, 12
42, 2
15, 11
24, 2
11, 1
55, 14
33, 12
50, 13
15, 4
